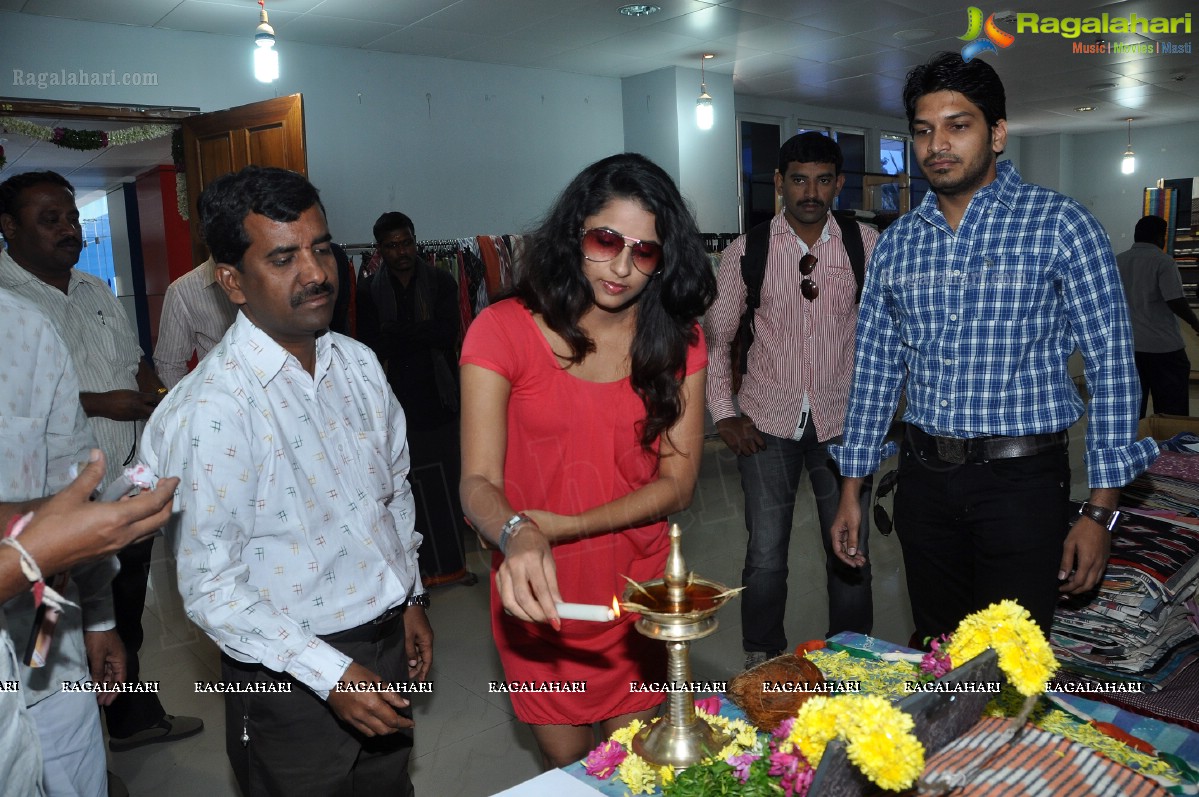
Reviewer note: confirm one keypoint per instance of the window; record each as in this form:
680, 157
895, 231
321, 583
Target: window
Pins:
759, 160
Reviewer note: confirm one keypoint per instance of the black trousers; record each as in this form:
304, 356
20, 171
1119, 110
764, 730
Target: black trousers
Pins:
978, 533
132, 711
436, 470
1167, 376
295, 746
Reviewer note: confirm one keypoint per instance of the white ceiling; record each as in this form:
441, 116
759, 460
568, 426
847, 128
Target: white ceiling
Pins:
839, 55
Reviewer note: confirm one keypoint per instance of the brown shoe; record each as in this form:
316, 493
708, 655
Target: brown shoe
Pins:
168, 729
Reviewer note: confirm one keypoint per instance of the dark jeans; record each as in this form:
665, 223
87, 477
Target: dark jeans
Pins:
132, 711
1167, 375
297, 747
977, 533
770, 480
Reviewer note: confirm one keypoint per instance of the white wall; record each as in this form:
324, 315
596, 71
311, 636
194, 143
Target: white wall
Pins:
651, 123
659, 119
1167, 151
708, 158
464, 148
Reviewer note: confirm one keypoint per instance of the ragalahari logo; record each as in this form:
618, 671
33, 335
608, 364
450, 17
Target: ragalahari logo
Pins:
983, 37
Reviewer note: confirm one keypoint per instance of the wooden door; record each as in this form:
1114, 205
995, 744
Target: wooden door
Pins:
268, 133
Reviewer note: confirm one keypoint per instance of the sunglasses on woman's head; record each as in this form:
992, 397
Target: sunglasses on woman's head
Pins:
601, 245
809, 288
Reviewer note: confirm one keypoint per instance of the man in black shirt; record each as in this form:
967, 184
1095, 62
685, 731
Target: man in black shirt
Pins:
408, 314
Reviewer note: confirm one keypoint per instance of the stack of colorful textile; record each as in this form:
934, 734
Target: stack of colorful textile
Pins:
1143, 627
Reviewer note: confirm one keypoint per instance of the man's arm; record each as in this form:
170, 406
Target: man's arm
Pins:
1182, 309
877, 379
720, 327
721, 323
1097, 313
69, 529
402, 505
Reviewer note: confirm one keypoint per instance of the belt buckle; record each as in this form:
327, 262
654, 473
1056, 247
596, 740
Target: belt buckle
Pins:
951, 449
387, 616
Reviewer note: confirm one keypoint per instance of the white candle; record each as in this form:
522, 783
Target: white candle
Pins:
585, 611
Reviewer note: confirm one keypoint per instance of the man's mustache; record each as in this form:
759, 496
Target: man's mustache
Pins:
311, 293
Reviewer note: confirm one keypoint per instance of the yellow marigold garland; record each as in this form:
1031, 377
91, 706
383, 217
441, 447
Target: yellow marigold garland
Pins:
1024, 654
878, 737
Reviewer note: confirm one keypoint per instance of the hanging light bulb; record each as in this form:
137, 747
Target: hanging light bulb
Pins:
266, 58
1129, 164
704, 114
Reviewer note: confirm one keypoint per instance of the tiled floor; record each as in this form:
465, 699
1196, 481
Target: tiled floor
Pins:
468, 744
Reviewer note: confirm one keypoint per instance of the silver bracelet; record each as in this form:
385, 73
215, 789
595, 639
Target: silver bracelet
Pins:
511, 528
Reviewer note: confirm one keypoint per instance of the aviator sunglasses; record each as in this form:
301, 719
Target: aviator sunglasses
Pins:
809, 288
601, 245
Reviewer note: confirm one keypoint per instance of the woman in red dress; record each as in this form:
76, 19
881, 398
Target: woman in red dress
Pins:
582, 429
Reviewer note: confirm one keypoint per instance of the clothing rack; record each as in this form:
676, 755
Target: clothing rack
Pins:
717, 241
438, 242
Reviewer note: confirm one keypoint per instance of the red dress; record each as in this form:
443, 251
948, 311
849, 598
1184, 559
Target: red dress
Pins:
573, 445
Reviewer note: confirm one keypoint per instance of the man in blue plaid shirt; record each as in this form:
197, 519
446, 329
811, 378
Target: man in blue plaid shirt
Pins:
974, 302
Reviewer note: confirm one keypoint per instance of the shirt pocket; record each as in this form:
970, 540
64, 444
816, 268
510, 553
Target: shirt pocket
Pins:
1006, 289
838, 287
23, 443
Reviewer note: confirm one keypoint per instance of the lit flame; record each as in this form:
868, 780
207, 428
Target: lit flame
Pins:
615, 608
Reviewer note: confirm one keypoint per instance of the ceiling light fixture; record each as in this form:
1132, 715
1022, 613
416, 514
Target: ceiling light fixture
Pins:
639, 10
1085, 108
1129, 164
704, 113
266, 58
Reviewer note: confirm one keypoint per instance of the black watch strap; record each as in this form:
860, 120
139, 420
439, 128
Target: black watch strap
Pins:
1108, 518
421, 600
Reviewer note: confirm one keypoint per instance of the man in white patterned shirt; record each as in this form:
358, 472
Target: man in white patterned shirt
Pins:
196, 313
297, 551
40, 223
43, 432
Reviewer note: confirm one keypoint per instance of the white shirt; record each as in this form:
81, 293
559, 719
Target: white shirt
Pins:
196, 313
43, 431
297, 519
103, 348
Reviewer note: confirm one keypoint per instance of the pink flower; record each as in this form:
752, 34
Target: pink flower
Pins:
603, 760
795, 776
936, 662
709, 705
784, 728
741, 764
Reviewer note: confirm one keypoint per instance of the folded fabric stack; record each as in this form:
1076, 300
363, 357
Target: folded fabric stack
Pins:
1143, 627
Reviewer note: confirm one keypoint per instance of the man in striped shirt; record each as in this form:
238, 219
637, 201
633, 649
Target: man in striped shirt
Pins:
41, 226
974, 301
794, 393
196, 314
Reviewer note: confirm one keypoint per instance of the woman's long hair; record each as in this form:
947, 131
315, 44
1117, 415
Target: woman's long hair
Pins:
552, 282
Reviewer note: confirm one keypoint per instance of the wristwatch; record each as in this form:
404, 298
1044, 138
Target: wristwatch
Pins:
421, 600
1108, 518
511, 528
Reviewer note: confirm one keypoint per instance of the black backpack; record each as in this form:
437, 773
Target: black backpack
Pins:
753, 272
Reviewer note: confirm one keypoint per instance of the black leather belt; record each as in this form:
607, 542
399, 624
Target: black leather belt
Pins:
381, 627
965, 450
